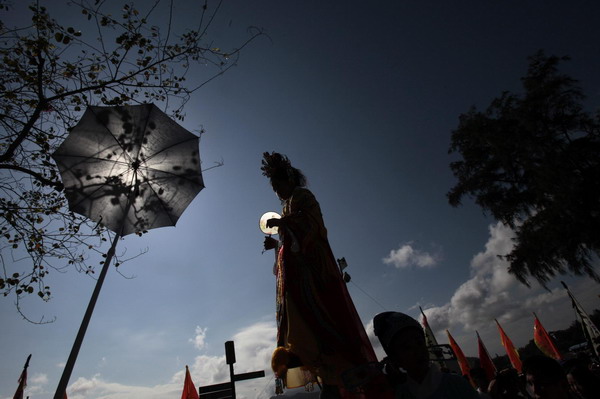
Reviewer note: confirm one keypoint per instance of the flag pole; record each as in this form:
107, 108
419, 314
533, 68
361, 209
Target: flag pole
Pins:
22, 380
27, 362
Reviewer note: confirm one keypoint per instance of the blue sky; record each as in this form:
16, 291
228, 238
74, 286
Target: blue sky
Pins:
363, 98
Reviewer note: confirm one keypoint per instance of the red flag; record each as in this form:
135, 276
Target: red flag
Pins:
543, 340
512, 353
485, 361
460, 356
189, 390
22, 381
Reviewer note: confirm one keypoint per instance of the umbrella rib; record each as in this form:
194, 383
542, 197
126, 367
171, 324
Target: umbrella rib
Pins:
150, 183
169, 147
172, 174
165, 209
85, 157
90, 196
124, 151
137, 156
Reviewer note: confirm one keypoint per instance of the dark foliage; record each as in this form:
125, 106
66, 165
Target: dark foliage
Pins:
49, 74
533, 162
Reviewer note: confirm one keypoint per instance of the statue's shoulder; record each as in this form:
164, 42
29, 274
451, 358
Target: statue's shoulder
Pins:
302, 193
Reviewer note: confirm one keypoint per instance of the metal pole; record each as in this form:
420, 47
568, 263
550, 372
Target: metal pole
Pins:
66, 375
232, 380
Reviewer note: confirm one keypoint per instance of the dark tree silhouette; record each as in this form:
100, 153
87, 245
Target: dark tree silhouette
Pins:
48, 75
533, 161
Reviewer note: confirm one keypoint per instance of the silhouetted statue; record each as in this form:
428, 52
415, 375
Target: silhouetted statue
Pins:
319, 332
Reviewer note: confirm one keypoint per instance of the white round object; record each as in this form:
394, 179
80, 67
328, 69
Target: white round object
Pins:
263, 223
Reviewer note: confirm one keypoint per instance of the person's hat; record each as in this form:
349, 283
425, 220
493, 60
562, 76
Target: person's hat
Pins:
388, 324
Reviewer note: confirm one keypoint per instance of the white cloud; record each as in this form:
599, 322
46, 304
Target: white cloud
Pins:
35, 384
407, 256
83, 385
489, 293
374, 340
37, 379
253, 348
199, 338
492, 293
96, 387
254, 345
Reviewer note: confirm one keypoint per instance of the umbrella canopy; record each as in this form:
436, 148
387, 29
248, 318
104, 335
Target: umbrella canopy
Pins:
130, 168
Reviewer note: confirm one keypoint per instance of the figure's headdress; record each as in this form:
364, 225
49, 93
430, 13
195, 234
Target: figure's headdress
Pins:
275, 165
278, 166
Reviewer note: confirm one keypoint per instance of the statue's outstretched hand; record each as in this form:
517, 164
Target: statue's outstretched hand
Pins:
274, 222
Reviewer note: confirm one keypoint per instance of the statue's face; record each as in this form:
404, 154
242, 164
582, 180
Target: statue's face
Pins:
283, 188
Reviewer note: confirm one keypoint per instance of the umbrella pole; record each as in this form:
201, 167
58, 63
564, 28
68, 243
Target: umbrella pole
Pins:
64, 379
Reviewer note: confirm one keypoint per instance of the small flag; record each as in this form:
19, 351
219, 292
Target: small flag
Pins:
429, 337
432, 344
485, 361
544, 341
511, 351
460, 356
22, 381
189, 390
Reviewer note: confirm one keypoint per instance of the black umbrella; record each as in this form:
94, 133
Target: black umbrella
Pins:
132, 169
